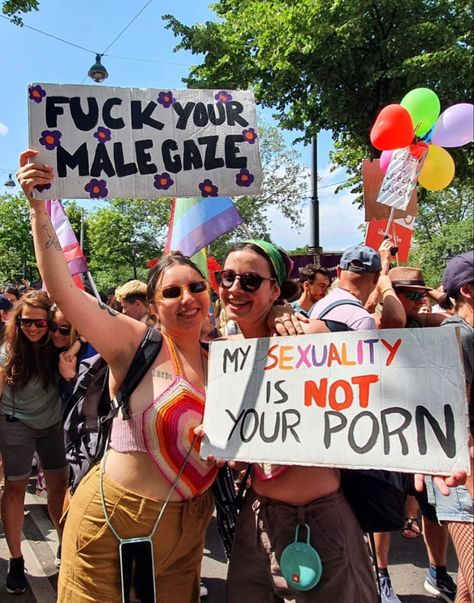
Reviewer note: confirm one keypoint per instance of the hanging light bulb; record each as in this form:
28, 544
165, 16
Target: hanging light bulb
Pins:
98, 72
10, 183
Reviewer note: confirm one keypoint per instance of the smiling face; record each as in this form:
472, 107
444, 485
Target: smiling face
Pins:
249, 309
188, 311
32, 332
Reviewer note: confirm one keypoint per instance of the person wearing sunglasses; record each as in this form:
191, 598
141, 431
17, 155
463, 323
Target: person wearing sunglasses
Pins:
410, 288
254, 277
30, 419
152, 455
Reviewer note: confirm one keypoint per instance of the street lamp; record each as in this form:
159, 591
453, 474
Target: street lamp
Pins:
10, 183
98, 72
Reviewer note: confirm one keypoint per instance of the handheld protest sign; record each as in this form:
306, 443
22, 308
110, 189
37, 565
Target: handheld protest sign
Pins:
144, 143
389, 399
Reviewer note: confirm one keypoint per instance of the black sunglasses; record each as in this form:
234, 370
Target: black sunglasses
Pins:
249, 281
63, 330
175, 291
413, 295
40, 323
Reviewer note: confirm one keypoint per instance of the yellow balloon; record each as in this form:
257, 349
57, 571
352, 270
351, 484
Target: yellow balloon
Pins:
438, 169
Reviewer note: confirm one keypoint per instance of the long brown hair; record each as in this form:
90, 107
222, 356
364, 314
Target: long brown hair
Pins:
27, 360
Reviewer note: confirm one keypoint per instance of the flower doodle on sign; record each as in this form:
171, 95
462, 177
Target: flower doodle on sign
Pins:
36, 93
97, 189
249, 135
103, 134
244, 178
42, 187
223, 97
208, 189
166, 99
50, 139
163, 181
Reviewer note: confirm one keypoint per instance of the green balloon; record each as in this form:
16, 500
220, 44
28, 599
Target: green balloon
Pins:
423, 106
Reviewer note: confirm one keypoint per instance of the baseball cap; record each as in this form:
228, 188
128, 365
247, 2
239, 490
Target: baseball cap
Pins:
458, 272
5, 303
360, 259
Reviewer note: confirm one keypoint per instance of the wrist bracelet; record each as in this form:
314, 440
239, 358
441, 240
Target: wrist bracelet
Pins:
388, 289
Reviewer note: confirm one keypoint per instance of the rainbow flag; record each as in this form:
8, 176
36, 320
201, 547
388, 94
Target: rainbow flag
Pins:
196, 222
76, 262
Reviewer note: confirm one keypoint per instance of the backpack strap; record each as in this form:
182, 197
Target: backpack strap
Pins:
144, 358
336, 304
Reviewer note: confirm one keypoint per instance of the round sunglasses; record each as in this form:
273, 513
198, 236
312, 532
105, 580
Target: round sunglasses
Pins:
40, 323
175, 291
249, 281
63, 330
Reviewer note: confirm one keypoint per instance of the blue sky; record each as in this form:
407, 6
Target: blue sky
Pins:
27, 56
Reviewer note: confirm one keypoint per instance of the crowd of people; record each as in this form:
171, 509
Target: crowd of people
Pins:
151, 485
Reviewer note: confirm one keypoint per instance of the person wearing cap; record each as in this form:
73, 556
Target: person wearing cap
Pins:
359, 274
457, 509
410, 288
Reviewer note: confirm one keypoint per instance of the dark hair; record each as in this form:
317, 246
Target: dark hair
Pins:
25, 359
173, 258
308, 273
288, 288
11, 289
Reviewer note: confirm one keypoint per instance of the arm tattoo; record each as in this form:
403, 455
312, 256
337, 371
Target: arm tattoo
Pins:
161, 374
109, 310
52, 237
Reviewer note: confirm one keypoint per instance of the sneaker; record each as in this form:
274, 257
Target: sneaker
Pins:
387, 594
443, 587
57, 559
203, 592
16, 583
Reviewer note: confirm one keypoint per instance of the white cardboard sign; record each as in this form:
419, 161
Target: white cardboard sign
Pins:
389, 399
145, 143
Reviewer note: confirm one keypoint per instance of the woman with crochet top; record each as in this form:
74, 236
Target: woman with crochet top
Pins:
255, 275
142, 467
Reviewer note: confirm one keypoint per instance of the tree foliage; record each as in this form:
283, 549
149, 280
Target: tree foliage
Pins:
17, 256
333, 64
123, 235
12, 8
444, 227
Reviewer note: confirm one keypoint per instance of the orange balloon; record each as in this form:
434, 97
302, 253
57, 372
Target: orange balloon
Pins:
438, 169
393, 128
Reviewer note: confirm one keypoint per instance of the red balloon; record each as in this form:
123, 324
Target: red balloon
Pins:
393, 128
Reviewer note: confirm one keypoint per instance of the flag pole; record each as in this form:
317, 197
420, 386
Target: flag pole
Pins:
93, 286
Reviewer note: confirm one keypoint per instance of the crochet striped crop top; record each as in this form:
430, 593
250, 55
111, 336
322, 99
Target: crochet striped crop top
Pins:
164, 431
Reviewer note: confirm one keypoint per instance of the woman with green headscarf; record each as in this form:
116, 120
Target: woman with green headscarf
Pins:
281, 498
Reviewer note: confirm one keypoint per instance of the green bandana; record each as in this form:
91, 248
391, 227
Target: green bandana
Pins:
275, 257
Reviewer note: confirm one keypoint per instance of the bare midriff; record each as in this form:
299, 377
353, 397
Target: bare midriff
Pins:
136, 471
299, 485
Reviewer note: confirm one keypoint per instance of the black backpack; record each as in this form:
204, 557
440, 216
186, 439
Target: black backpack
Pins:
377, 497
89, 411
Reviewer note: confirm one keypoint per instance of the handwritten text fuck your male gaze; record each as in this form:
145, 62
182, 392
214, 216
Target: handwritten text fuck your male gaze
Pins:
145, 143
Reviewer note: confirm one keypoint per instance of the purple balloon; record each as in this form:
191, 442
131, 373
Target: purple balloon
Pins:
455, 126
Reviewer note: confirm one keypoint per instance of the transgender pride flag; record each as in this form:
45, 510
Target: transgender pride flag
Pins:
76, 262
197, 221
